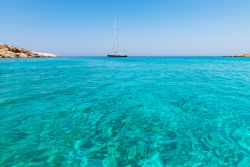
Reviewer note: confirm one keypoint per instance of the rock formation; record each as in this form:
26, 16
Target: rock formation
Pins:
7, 51
241, 55
245, 55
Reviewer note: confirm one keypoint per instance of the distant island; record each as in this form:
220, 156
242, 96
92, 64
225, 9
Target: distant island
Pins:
7, 51
241, 55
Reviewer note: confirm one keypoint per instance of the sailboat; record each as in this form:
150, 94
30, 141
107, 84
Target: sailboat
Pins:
116, 52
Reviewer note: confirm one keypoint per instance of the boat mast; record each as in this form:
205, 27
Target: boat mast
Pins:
115, 38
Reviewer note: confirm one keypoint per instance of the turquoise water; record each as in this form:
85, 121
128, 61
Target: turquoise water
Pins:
125, 112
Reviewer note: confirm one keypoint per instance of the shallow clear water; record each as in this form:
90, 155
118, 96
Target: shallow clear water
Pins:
125, 112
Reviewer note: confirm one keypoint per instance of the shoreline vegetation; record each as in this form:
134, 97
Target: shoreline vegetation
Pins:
7, 51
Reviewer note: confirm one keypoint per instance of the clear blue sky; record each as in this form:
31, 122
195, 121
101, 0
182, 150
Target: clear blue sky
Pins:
147, 27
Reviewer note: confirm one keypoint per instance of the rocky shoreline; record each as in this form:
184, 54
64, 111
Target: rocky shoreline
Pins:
7, 51
241, 55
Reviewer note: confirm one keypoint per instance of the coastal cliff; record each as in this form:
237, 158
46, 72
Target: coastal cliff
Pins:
7, 51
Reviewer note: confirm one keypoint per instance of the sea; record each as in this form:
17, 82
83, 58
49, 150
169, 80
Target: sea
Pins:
125, 112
